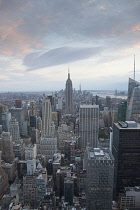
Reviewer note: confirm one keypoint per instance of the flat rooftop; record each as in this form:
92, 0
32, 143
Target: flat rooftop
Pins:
128, 128
98, 154
89, 106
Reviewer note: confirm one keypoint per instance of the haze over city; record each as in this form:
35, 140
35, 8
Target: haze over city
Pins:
96, 40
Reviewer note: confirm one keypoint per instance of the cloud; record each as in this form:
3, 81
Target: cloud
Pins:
59, 56
27, 26
20, 28
35, 33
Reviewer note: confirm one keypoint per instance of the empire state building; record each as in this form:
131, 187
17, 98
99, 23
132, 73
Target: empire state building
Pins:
69, 96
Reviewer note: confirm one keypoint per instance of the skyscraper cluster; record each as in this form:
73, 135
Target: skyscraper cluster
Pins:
70, 150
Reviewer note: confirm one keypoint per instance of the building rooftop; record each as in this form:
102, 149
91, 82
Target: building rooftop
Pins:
135, 189
89, 106
98, 154
127, 125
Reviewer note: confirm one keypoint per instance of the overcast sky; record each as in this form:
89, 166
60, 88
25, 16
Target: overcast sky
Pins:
95, 39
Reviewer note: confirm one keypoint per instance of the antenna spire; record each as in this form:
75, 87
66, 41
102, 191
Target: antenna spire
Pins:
68, 73
134, 67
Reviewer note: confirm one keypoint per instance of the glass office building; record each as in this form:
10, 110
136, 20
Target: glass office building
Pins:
126, 152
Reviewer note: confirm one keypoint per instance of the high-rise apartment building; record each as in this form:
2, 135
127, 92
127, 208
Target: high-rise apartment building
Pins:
14, 129
126, 152
89, 125
69, 96
99, 179
46, 117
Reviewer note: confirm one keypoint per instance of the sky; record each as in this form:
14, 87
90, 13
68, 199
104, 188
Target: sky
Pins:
95, 39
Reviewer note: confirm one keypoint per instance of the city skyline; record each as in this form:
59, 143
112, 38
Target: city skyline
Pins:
96, 40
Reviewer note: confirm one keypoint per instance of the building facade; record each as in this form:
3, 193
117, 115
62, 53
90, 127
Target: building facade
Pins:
133, 100
89, 125
18, 114
6, 146
46, 117
14, 129
126, 152
99, 179
47, 146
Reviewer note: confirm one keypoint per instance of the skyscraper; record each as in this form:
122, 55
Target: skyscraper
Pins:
122, 111
133, 101
32, 110
18, 114
6, 146
126, 152
4, 121
99, 180
46, 117
131, 84
68, 189
69, 96
14, 129
89, 125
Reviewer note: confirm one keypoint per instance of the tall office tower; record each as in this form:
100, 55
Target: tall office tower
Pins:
52, 100
59, 104
46, 117
14, 129
133, 101
108, 102
6, 146
131, 84
122, 111
4, 121
126, 151
69, 96
18, 114
32, 110
99, 180
33, 121
89, 125
133, 110
18, 103
69, 190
